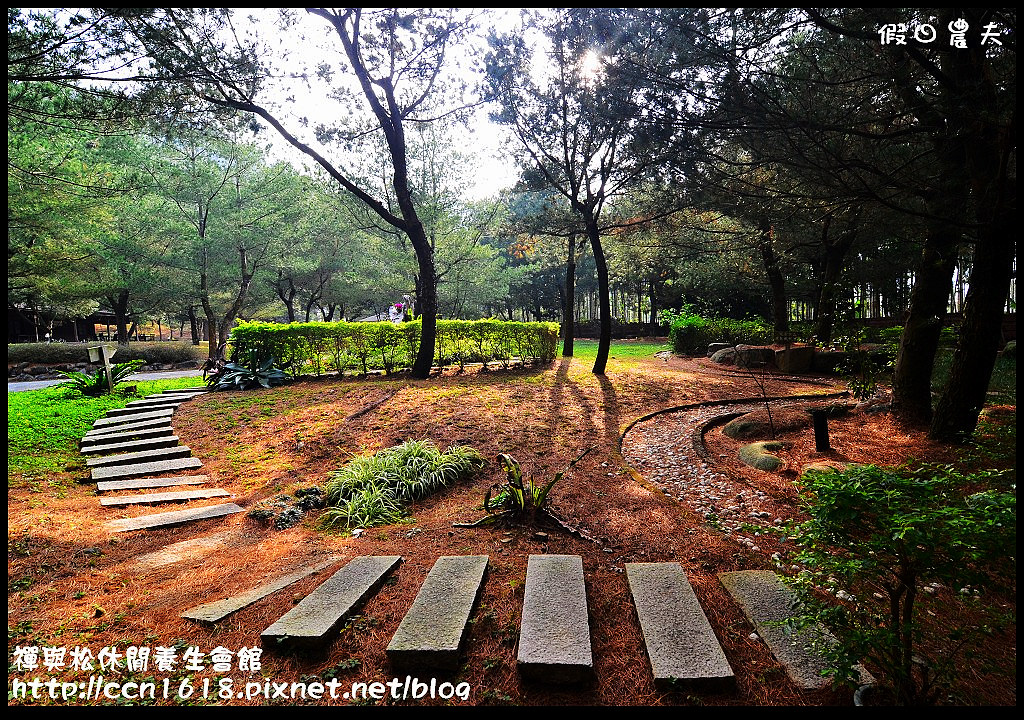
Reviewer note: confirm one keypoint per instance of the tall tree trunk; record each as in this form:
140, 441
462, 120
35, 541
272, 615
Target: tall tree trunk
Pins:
569, 301
119, 305
776, 281
605, 340
835, 252
193, 324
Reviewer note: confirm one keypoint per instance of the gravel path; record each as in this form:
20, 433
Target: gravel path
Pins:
662, 450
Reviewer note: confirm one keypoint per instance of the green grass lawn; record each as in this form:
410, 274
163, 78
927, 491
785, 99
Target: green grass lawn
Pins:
620, 349
44, 426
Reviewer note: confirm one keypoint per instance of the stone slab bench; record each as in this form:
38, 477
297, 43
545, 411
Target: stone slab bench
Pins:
175, 517
681, 645
144, 439
135, 417
214, 612
148, 483
768, 603
147, 468
152, 498
554, 637
151, 428
133, 458
432, 631
315, 620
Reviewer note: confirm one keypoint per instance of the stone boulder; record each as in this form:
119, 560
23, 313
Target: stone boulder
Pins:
754, 356
716, 346
725, 356
759, 455
796, 359
755, 424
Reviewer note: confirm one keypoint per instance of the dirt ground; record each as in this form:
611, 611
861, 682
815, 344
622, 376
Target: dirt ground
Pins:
71, 583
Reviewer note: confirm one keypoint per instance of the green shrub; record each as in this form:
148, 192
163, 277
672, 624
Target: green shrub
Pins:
317, 348
95, 384
690, 333
876, 536
374, 490
151, 353
231, 376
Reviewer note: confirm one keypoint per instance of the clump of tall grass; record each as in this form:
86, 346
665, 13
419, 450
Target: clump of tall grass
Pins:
375, 489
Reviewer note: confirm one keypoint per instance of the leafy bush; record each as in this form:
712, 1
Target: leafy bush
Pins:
690, 333
515, 500
374, 490
95, 384
341, 346
151, 353
875, 537
232, 376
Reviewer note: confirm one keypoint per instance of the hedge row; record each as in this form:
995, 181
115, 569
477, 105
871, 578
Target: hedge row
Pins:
168, 352
316, 348
690, 334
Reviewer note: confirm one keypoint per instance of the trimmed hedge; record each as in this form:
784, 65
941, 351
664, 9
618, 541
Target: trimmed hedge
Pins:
690, 334
168, 352
317, 347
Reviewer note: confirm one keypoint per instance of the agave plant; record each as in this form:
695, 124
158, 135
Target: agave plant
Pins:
95, 384
232, 376
516, 500
374, 490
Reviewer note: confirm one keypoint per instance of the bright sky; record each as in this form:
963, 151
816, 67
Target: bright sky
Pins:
495, 168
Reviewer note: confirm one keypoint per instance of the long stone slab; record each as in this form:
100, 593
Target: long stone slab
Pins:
159, 428
314, 621
133, 445
135, 417
768, 604
146, 407
149, 483
432, 632
175, 517
158, 401
681, 645
153, 498
554, 637
148, 468
191, 392
133, 458
190, 549
214, 612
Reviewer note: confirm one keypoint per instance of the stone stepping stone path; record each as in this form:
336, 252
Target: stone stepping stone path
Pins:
172, 518
135, 417
184, 550
214, 612
146, 428
163, 497
150, 443
315, 620
148, 468
142, 456
681, 645
554, 635
147, 483
140, 410
432, 632
767, 604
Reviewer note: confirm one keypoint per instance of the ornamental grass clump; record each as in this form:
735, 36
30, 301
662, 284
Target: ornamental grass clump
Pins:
375, 489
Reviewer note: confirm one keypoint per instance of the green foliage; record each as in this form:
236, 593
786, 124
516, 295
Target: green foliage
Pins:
232, 376
690, 333
57, 353
341, 346
374, 490
875, 537
96, 383
865, 366
516, 500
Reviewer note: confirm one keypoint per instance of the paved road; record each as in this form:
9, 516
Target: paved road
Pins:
160, 375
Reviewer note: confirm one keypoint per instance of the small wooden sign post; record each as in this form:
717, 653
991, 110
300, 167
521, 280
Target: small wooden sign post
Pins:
103, 353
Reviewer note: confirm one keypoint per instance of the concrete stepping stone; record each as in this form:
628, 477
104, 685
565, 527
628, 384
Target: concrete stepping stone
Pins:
214, 612
156, 467
432, 632
768, 603
160, 428
159, 401
135, 417
554, 636
681, 646
175, 517
136, 445
152, 498
142, 456
190, 549
191, 392
315, 620
149, 483
139, 409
